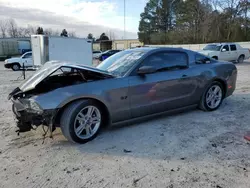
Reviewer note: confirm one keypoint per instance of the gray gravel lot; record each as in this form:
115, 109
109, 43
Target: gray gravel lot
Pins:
192, 149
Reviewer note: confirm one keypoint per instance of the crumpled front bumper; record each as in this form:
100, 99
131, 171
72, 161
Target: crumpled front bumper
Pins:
27, 118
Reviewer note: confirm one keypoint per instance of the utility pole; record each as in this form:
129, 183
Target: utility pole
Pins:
124, 35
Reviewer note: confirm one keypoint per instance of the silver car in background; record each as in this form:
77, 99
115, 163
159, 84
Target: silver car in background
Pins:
129, 85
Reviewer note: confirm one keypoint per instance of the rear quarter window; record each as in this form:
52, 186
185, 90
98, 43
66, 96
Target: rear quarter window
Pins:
201, 59
233, 47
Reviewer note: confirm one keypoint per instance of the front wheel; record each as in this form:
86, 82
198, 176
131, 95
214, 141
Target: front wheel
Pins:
81, 121
212, 97
15, 67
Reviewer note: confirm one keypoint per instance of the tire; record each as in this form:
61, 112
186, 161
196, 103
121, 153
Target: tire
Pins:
241, 59
205, 105
70, 122
215, 57
15, 67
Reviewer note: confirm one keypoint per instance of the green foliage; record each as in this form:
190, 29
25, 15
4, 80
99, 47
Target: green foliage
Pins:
39, 31
64, 33
90, 36
103, 37
194, 21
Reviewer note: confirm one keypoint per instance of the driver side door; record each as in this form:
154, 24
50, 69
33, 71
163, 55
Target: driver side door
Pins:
28, 60
163, 90
225, 55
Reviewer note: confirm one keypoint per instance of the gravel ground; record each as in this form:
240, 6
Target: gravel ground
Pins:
192, 149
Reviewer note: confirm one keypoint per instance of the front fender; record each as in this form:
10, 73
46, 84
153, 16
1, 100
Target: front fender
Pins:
60, 97
212, 54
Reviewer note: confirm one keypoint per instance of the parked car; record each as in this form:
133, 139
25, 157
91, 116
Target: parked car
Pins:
16, 63
227, 52
107, 54
129, 85
96, 53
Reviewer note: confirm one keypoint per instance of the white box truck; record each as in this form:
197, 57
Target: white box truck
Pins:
48, 48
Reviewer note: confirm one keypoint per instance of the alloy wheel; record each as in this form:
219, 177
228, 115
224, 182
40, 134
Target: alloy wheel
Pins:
214, 96
87, 122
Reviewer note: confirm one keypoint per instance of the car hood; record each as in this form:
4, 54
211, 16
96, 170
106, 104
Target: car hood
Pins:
12, 60
50, 67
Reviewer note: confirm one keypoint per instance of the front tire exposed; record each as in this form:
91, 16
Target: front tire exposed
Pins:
212, 97
15, 67
81, 121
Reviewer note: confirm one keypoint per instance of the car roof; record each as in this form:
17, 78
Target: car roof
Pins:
223, 43
155, 49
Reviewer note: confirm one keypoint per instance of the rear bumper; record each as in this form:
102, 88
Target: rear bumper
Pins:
231, 83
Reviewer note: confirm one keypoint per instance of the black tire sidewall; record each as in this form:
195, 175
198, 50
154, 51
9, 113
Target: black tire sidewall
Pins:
72, 133
205, 94
16, 65
241, 57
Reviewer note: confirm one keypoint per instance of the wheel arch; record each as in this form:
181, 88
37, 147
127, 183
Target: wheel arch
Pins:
14, 63
103, 106
223, 83
215, 57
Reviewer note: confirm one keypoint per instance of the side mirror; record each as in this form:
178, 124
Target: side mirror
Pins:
146, 70
223, 50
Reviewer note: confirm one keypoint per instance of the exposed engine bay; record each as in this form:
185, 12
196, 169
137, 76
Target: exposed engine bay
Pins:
63, 77
29, 115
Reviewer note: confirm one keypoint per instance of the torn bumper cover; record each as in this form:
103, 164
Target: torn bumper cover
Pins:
29, 114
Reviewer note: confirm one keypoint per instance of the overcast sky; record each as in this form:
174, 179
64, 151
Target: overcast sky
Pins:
81, 16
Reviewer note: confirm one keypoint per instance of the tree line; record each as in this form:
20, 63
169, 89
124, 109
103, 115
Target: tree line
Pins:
194, 21
9, 28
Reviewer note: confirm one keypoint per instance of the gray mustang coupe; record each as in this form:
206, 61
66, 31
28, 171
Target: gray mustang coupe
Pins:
127, 86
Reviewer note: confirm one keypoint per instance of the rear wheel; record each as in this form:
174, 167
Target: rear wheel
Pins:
15, 67
212, 98
81, 121
241, 59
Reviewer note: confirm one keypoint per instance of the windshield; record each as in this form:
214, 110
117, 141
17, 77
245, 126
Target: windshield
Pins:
212, 47
120, 63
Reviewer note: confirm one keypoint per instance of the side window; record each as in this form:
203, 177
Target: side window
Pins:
226, 47
233, 47
29, 55
201, 59
167, 60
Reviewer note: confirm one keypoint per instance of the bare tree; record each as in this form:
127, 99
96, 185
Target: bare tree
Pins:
12, 28
111, 35
3, 29
48, 31
72, 34
55, 33
30, 30
21, 32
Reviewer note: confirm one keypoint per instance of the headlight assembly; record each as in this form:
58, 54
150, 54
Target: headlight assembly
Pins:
34, 107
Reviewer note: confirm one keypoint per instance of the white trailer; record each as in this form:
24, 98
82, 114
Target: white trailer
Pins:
49, 48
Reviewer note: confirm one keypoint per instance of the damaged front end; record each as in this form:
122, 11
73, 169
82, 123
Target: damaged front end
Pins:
29, 114
36, 102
